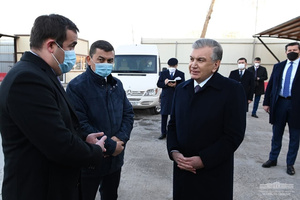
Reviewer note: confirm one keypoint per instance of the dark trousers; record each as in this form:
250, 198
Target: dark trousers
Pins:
108, 186
282, 116
164, 122
255, 104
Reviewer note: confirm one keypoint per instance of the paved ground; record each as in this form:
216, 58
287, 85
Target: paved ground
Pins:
147, 172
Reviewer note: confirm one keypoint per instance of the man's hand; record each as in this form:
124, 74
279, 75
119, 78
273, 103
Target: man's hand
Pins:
93, 139
267, 108
172, 84
119, 146
166, 81
187, 163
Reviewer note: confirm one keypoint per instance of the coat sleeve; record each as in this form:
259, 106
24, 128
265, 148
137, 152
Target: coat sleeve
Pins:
172, 143
251, 86
267, 99
264, 75
161, 81
234, 125
127, 120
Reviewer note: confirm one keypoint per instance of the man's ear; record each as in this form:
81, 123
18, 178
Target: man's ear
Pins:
216, 66
50, 44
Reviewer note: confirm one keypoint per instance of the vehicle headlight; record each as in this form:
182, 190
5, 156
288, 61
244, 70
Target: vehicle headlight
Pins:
151, 92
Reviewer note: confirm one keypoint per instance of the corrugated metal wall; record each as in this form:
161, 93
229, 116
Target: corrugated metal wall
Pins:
6, 54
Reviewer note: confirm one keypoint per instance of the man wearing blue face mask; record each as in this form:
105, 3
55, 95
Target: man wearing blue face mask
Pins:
101, 105
43, 145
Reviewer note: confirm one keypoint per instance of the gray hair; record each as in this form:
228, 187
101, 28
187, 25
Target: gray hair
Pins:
217, 49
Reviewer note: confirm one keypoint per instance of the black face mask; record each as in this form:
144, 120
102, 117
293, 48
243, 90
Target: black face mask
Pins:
292, 56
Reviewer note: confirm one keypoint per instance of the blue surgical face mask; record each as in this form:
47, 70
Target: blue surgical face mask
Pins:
103, 69
69, 60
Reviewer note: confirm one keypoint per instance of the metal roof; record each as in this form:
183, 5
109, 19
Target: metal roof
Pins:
7, 35
286, 30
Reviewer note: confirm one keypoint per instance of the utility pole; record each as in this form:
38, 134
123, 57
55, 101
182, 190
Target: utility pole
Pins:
207, 19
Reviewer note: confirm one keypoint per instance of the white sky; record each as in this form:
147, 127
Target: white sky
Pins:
127, 21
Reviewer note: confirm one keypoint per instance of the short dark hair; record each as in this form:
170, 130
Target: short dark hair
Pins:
172, 62
242, 58
101, 44
257, 59
50, 26
292, 44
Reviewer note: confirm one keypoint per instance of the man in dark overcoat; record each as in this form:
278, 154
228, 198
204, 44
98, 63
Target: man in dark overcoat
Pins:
168, 80
260, 75
245, 77
43, 145
207, 125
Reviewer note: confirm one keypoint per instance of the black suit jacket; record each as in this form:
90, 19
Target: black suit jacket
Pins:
41, 138
168, 92
210, 124
247, 82
273, 90
259, 85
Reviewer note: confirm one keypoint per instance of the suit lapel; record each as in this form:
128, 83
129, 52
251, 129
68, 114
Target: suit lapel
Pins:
61, 90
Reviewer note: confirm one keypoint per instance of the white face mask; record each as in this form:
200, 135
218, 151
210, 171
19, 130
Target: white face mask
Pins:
256, 64
241, 66
172, 69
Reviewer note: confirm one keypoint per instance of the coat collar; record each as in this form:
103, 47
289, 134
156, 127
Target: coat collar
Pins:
99, 79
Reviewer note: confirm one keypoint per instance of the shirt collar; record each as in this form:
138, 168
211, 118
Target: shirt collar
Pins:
295, 62
203, 82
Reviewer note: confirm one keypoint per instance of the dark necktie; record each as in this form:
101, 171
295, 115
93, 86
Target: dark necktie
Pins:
172, 75
286, 86
241, 74
255, 74
197, 88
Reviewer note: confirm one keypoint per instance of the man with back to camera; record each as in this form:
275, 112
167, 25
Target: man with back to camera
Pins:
43, 146
260, 75
244, 77
282, 103
101, 105
167, 93
207, 125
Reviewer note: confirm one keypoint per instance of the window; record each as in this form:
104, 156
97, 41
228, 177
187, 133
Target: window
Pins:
135, 64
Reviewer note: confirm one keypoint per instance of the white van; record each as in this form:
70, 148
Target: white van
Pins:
138, 67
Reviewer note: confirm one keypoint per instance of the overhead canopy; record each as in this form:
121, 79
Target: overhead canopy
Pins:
7, 35
286, 30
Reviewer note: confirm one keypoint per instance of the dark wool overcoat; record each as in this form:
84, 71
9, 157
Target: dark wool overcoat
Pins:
42, 142
210, 124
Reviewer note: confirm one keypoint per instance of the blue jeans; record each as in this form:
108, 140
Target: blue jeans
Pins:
255, 104
282, 116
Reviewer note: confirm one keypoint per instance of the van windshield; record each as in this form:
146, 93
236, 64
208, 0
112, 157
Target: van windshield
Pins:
135, 64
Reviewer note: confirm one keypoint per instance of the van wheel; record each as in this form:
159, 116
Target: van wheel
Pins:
155, 110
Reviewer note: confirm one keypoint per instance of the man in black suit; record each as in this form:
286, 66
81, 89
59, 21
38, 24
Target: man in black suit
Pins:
168, 80
207, 125
282, 102
260, 75
245, 77
41, 136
